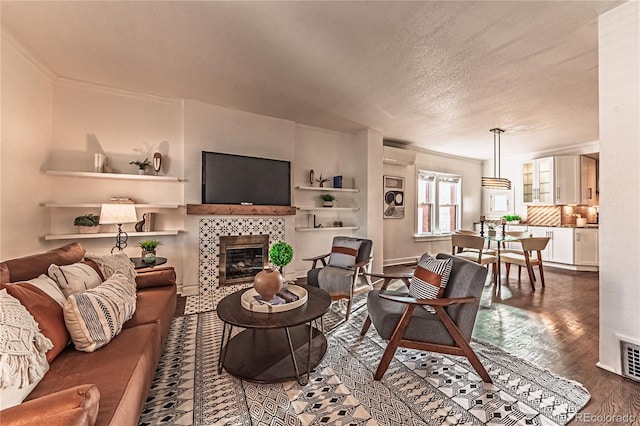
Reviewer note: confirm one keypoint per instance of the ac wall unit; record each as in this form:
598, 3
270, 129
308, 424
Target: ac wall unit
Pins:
398, 156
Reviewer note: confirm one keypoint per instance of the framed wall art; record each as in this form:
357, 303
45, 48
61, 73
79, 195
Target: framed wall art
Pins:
393, 197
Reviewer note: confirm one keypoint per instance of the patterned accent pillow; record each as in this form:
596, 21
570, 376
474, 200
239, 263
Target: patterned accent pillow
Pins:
344, 252
96, 316
111, 264
430, 279
23, 347
74, 278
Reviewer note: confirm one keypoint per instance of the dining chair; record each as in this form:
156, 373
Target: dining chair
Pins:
471, 247
488, 250
531, 256
515, 234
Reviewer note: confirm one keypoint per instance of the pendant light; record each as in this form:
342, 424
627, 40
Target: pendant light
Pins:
496, 182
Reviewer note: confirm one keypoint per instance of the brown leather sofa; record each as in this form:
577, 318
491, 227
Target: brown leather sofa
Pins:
108, 386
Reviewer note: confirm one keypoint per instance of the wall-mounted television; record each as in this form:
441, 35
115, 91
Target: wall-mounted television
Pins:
238, 179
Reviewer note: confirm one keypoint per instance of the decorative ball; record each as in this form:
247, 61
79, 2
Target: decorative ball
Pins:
267, 283
149, 258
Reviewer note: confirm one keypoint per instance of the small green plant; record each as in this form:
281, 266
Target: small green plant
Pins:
327, 197
280, 254
87, 220
149, 245
511, 218
142, 165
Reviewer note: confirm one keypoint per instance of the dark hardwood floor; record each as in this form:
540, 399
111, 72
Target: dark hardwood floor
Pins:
557, 329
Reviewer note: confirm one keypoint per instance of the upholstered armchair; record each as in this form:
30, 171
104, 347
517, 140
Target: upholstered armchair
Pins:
442, 323
342, 275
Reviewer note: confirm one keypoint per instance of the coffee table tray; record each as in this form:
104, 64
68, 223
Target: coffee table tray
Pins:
249, 302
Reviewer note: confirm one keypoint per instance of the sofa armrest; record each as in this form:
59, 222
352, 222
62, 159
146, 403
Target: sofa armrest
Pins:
73, 407
156, 277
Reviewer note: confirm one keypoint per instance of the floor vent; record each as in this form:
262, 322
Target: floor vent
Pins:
630, 360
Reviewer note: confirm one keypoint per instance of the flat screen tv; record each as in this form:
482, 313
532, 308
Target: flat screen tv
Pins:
237, 179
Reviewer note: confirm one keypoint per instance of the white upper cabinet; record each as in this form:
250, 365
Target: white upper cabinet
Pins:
567, 179
589, 185
537, 180
551, 180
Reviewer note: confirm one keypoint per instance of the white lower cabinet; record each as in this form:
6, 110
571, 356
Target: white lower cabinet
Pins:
586, 247
560, 246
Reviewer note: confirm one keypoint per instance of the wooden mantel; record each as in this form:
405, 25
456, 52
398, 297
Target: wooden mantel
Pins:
235, 209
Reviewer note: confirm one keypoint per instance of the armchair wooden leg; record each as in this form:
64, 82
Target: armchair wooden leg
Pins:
349, 303
387, 357
462, 343
365, 326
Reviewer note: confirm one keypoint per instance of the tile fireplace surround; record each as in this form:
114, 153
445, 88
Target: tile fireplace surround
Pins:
210, 292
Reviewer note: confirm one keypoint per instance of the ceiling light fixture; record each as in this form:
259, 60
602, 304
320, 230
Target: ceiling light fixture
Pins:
496, 182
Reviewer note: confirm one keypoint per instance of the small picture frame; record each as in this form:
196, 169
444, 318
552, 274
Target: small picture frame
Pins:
393, 194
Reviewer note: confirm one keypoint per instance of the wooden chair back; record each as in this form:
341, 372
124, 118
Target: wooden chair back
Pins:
536, 244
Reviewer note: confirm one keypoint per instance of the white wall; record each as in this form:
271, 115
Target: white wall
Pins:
399, 241
619, 77
25, 141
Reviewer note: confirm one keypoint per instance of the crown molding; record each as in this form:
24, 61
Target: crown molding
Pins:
400, 145
100, 88
13, 42
575, 149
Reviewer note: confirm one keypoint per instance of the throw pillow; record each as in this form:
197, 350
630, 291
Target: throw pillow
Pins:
111, 264
74, 278
96, 316
46, 311
430, 279
344, 252
23, 362
5, 277
50, 287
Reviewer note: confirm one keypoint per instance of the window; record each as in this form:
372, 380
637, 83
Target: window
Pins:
439, 197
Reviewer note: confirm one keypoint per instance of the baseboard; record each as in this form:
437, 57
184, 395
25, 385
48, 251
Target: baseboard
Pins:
582, 268
607, 368
411, 260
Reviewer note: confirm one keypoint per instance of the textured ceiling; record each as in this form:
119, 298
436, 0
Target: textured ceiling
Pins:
435, 74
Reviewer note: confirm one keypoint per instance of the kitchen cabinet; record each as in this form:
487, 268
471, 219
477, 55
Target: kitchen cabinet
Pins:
586, 246
560, 246
497, 203
537, 181
589, 179
567, 179
551, 180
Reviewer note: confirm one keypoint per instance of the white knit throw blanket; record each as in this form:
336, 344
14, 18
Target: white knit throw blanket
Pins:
23, 347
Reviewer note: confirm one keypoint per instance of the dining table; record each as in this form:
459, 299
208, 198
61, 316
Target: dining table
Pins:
500, 239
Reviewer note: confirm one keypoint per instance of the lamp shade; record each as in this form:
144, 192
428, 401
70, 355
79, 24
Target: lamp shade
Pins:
116, 214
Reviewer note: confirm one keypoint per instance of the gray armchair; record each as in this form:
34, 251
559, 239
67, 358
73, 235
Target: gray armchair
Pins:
350, 257
395, 317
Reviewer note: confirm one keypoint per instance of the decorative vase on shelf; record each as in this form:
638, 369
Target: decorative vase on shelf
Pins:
148, 256
327, 203
267, 283
88, 229
141, 172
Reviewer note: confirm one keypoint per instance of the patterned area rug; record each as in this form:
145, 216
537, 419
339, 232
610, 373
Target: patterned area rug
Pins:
420, 388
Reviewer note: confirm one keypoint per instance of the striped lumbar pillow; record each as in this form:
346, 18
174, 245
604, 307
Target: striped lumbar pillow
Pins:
96, 316
344, 252
430, 279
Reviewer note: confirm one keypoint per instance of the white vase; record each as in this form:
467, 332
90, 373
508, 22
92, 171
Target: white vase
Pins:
141, 172
88, 229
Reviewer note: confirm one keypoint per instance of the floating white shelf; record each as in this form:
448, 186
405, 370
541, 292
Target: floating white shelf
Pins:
98, 205
328, 228
329, 209
107, 235
111, 176
315, 188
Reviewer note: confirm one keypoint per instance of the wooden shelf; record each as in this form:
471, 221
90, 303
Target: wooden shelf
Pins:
111, 176
329, 209
328, 228
239, 210
98, 205
315, 188
107, 235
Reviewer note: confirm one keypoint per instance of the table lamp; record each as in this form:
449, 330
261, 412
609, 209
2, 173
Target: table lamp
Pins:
117, 214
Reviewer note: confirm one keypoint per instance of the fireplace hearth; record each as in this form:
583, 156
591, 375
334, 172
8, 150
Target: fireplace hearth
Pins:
242, 257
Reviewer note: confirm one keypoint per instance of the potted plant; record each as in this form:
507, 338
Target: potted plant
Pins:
280, 254
513, 219
142, 165
149, 250
87, 223
327, 200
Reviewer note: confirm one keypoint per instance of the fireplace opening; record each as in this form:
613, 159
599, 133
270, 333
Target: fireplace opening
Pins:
242, 257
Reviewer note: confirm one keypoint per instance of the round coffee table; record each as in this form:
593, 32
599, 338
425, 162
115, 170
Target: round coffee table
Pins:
274, 347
